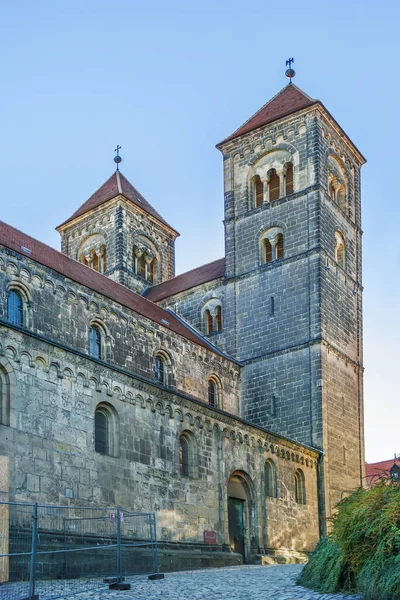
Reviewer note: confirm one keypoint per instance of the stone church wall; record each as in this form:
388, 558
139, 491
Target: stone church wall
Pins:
50, 444
63, 310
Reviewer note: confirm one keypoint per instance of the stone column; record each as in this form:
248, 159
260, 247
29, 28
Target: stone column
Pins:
4, 519
282, 182
266, 190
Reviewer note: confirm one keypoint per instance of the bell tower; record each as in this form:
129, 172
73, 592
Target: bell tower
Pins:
293, 255
118, 233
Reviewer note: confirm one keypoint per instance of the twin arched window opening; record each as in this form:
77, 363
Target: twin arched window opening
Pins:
272, 245
300, 487
144, 264
276, 185
15, 308
213, 320
96, 259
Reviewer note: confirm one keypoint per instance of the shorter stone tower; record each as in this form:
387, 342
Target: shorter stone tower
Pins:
118, 233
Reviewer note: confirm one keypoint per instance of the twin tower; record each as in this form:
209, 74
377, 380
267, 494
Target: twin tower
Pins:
286, 300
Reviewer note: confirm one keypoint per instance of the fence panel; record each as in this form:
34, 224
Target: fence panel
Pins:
138, 544
16, 522
50, 552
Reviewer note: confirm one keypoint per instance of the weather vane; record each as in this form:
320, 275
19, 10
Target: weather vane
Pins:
117, 158
290, 73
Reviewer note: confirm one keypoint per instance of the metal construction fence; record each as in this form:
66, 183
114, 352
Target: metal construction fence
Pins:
51, 552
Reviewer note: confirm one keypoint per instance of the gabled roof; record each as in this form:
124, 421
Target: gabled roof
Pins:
187, 280
376, 471
85, 276
287, 101
117, 185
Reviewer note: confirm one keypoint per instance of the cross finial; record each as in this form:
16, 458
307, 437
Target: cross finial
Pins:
290, 73
117, 158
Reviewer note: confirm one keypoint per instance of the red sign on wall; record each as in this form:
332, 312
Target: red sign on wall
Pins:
210, 537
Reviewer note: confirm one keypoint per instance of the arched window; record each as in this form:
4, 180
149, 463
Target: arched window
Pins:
258, 191
184, 456
273, 186
270, 479
340, 249
208, 321
4, 397
300, 487
289, 179
161, 369
95, 342
279, 246
212, 392
15, 308
103, 259
101, 432
267, 251
106, 428
218, 318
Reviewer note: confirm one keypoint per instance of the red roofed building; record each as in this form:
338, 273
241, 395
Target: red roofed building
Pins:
228, 399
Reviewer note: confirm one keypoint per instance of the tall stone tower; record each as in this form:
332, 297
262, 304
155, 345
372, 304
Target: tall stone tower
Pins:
118, 233
293, 259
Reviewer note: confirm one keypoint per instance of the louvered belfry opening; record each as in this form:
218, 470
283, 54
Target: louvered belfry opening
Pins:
279, 246
273, 186
258, 190
268, 251
289, 179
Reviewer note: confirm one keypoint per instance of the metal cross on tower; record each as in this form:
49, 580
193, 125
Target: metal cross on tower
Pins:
290, 73
117, 158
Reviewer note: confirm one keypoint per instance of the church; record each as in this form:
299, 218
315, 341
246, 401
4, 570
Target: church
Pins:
228, 399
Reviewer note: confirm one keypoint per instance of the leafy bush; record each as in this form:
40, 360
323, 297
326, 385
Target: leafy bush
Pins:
362, 554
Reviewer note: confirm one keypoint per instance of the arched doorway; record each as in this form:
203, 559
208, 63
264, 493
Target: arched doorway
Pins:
240, 513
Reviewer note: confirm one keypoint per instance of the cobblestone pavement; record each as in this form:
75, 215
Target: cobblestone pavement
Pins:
233, 583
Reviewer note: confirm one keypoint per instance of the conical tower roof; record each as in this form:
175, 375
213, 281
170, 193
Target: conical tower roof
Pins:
117, 185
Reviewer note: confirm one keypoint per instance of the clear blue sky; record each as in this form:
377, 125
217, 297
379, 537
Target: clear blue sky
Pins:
168, 80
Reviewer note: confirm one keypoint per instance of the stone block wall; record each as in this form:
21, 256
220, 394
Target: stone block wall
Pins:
63, 310
50, 445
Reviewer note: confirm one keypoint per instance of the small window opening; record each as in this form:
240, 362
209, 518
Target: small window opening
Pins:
209, 321
270, 479
272, 306
184, 456
95, 342
289, 179
160, 370
267, 250
258, 190
279, 245
300, 487
274, 186
101, 432
218, 318
211, 392
15, 308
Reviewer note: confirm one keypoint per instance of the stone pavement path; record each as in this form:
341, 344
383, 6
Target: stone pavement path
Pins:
233, 583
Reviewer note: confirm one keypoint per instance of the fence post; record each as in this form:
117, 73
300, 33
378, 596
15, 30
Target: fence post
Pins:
154, 548
118, 584
32, 570
119, 564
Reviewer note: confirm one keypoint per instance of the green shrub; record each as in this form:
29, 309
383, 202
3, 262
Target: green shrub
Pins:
362, 554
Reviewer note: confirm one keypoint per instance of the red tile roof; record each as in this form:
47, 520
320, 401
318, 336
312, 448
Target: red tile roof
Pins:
72, 269
378, 470
187, 280
286, 102
116, 185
